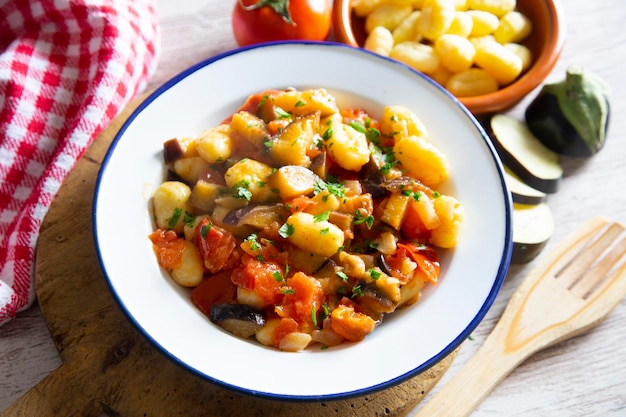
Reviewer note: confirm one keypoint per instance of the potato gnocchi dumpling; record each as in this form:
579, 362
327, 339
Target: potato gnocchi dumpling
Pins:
299, 223
450, 39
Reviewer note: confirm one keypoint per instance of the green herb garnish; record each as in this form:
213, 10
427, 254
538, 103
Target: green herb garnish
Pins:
322, 216
286, 230
171, 222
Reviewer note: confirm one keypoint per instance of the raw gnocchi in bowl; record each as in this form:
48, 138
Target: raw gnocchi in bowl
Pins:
128, 209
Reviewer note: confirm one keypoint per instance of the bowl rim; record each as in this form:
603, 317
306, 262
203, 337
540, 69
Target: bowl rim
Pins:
502, 268
505, 97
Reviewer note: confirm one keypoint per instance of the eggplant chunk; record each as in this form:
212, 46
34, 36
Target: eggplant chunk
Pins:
173, 150
240, 319
521, 192
525, 155
533, 226
373, 179
374, 301
319, 165
257, 216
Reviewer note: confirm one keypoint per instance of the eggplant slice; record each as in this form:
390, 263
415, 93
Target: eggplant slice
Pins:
521, 192
533, 226
525, 155
240, 319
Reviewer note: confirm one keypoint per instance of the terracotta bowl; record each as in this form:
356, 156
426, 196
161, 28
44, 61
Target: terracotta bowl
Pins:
545, 43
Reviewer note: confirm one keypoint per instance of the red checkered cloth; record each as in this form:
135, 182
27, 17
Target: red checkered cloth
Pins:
66, 68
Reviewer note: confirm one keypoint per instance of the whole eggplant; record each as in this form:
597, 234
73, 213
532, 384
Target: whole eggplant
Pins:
571, 117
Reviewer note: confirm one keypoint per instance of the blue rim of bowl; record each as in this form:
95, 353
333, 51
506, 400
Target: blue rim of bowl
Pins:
495, 289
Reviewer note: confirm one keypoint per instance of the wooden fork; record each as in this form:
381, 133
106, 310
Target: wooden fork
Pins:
571, 290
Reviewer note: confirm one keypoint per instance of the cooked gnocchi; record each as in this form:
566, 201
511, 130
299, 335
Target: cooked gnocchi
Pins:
299, 223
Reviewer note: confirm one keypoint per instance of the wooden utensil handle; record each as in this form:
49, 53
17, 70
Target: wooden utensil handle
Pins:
64, 392
490, 365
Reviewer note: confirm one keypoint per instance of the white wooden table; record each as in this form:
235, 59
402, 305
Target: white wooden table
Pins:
585, 376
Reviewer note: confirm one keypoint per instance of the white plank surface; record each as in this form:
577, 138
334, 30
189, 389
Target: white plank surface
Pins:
585, 376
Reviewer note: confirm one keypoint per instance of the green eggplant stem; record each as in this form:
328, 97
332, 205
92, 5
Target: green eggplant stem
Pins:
279, 6
582, 98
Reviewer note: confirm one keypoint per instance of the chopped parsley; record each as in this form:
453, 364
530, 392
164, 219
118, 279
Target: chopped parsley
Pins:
241, 190
263, 101
314, 316
254, 243
171, 222
204, 230
372, 134
286, 230
415, 195
374, 274
359, 218
189, 219
334, 188
318, 142
322, 216
357, 290
281, 114
280, 277
328, 133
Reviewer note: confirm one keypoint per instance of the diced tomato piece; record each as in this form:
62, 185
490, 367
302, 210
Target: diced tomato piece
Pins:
412, 226
426, 259
395, 264
349, 323
305, 296
300, 203
354, 114
265, 250
168, 248
264, 278
217, 246
216, 289
240, 276
287, 325
252, 103
277, 125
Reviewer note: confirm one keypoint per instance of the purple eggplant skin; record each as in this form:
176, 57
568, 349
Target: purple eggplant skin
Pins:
240, 319
173, 150
547, 122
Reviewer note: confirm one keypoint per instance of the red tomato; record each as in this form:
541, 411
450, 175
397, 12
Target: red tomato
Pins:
412, 226
355, 114
217, 246
286, 326
256, 21
349, 323
264, 278
217, 289
168, 247
426, 259
306, 294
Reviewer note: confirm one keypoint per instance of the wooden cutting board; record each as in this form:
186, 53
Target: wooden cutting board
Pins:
108, 366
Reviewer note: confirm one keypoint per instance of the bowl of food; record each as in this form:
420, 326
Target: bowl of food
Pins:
256, 216
488, 54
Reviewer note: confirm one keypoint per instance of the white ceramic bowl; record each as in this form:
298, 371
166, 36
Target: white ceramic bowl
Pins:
409, 341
